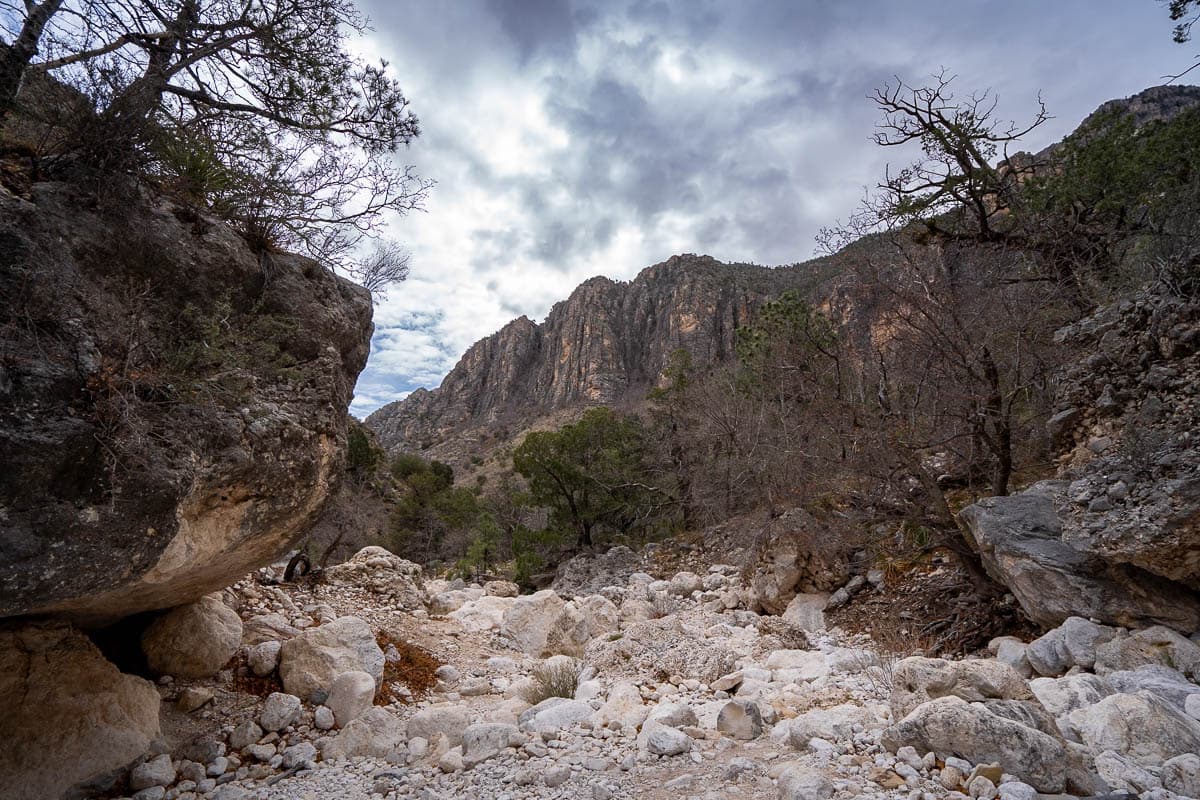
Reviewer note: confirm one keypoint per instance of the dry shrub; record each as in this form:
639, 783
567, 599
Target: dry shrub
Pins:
891, 646
415, 668
662, 605
553, 678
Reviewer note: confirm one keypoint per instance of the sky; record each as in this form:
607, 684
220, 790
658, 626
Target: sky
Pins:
574, 138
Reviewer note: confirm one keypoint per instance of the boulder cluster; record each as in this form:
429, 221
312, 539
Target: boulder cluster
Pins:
650, 687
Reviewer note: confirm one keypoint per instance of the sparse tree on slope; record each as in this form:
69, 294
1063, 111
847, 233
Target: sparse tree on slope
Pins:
292, 134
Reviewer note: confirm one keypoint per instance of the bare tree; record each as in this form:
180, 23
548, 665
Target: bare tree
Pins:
295, 136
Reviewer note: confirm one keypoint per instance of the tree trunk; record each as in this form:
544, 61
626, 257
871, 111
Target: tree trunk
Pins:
15, 57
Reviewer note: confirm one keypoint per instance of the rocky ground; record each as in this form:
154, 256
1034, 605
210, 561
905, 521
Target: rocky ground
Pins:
676, 690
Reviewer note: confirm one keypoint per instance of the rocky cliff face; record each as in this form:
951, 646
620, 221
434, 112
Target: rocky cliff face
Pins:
1118, 538
606, 344
172, 404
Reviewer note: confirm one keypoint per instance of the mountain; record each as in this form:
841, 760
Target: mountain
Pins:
605, 344
609, 341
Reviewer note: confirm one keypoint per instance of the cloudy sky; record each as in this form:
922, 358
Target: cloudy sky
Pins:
572, 138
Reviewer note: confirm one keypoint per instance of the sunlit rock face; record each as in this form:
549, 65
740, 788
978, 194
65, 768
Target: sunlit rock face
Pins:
608, 343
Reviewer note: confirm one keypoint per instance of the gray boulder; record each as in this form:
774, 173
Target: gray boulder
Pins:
800, 782
375, 734
351, 694
279, 711
1155, 645
1019, 539
1181, 775
448, 720
542, 625
663, 740
1141, 726
554, 714
1061, 696
917, 680
1071, 644
1157, 679
951, 726
485, 740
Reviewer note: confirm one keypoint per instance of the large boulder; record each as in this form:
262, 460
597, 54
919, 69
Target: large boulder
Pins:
589, 573
554, 714
72, 721
375, 734
482, 615
1019, 538
447, 720
950, 726
350, 696
193, 641
384, 573
1155, 645
802, 782
1071, 644
1141, 726
664, 645
153, 457
309, 663
1157, 679
837, 723
599, 613
917, 680
485, 740
1061, 696
543, 624
623, 708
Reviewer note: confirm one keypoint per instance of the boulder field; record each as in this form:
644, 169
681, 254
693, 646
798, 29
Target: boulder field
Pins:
655, 688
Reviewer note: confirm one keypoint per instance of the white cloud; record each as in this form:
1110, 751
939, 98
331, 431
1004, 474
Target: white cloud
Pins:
599, 141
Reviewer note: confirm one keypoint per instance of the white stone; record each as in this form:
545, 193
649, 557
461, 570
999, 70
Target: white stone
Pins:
485, 740
279, 711
263, 657
193, 641
158, 771
666, 741
351, 694
447, 720
309, 663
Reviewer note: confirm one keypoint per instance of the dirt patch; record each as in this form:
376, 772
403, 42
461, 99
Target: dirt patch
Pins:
246, 682
414, 669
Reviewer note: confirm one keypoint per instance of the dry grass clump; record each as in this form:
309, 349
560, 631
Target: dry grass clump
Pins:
558, 677
662, 605
414, 668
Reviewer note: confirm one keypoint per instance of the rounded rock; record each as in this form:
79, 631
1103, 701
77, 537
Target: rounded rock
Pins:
194, 640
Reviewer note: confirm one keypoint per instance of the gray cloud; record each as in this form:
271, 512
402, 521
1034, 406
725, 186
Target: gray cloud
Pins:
570, 139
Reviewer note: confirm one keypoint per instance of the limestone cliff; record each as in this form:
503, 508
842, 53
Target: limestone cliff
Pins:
172, 403
606, 344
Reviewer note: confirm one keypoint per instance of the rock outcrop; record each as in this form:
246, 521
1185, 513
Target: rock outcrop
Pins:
174, 403
1118, 538
607, 342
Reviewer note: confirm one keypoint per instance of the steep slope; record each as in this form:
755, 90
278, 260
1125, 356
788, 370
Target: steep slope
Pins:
606, 344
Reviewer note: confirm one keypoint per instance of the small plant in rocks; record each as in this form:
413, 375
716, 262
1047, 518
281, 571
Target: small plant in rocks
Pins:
554, 678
